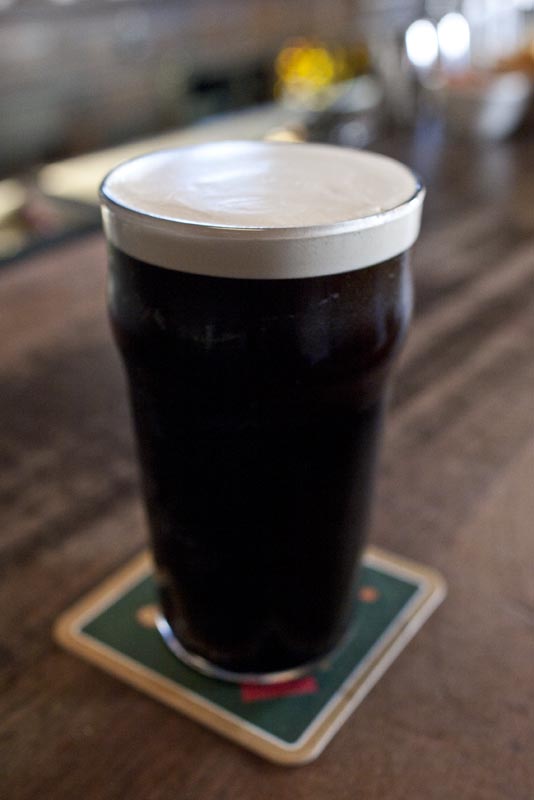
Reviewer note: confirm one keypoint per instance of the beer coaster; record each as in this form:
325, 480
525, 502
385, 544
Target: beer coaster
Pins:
290, 723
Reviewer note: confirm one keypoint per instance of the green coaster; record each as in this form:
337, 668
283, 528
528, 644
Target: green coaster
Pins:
287, 723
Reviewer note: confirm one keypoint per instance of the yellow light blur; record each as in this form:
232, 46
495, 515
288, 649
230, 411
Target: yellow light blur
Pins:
307, 70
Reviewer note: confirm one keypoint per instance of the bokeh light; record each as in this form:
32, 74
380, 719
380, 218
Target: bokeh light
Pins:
422, 43
454, 37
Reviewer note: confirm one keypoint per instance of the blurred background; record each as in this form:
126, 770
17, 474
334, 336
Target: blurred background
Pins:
87, 83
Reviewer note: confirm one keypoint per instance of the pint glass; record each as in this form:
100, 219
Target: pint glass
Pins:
258, 293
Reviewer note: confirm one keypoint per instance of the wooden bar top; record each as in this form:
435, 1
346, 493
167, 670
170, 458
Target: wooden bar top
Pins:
454, 716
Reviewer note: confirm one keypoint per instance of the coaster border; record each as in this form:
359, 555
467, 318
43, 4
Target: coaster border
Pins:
428, 596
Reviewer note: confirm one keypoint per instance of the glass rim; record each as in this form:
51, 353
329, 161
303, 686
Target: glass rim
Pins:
209, 229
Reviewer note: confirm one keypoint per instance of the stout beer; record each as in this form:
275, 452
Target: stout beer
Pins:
259, 293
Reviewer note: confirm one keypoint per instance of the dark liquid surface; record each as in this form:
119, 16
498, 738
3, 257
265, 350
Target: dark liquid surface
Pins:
258, 407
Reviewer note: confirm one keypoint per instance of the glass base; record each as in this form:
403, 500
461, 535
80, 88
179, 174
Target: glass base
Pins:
205, 667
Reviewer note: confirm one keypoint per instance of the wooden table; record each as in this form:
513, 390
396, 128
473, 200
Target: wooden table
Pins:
454, 716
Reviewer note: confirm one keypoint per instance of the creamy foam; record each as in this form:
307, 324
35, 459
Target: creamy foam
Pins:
262, 209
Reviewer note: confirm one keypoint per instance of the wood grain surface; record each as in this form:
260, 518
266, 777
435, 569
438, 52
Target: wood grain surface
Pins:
454, 716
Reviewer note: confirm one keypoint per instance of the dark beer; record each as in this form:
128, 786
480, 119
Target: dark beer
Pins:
258, 405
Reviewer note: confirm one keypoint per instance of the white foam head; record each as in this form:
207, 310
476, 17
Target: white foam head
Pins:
262, 209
